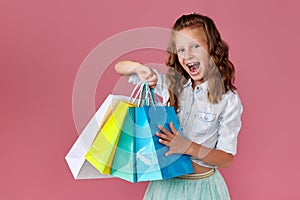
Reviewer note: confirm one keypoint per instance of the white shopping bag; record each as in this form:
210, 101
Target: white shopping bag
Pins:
80, 168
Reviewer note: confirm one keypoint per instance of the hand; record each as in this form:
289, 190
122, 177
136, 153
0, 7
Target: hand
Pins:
145, 73
173, 140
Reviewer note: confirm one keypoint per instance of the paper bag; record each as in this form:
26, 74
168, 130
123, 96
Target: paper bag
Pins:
80, 168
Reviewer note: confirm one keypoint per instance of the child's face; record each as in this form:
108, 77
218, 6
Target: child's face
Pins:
191, 47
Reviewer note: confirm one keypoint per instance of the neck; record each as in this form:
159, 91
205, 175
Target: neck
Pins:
195, 83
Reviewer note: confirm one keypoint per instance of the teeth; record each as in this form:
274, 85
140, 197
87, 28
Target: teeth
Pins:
191, 64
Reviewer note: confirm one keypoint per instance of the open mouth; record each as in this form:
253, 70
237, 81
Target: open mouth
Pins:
193, 67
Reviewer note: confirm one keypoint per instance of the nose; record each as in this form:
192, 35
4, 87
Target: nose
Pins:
188, 55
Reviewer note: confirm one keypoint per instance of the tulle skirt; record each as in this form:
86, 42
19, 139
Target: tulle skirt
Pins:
210, 188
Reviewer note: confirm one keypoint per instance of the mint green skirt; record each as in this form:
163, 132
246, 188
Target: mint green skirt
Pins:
211, 188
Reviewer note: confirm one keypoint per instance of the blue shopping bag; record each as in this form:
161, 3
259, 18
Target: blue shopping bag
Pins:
151, 162
139, 156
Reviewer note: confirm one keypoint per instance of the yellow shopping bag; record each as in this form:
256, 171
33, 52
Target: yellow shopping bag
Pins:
102, 151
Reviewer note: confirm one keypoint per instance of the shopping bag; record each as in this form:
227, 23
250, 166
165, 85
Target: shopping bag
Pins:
102, 151
80, 168
151, 162
139, 155
124, 164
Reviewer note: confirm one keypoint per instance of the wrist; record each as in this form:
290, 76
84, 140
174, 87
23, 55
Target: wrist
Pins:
191, 148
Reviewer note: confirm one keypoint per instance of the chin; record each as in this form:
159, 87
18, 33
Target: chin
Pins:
197, 78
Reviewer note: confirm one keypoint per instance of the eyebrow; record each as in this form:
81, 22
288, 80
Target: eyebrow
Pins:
191, 43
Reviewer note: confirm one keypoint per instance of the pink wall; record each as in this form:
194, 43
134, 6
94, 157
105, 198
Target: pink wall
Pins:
43, 44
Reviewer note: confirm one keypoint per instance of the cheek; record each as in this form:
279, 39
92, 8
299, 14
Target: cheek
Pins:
180, 59
205, 59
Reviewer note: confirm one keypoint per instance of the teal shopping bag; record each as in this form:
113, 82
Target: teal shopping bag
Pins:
124, 165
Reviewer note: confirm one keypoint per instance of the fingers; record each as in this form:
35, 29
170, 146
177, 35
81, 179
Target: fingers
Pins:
165, 137
152, 84
150, 76
173, 129
165, 131
152, 80
145, 73
173, 139
169, 153
166, 143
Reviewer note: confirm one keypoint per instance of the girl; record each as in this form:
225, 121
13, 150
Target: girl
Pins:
199, 84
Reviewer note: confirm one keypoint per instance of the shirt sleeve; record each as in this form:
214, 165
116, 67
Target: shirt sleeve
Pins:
161, 88
230, 125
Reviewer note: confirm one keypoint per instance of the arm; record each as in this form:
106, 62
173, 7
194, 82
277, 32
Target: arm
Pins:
127, 67
210, 156
145, 73
180, 145
222, 156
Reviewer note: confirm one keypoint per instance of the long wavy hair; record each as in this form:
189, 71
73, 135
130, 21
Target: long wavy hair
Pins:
220, 74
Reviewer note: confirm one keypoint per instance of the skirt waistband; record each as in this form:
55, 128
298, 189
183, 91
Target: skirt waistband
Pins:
198, 176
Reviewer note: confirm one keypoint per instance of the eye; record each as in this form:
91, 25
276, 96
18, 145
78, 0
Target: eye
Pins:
180, 51
196, 46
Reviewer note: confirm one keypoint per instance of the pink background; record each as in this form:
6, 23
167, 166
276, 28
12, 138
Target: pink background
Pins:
43, 44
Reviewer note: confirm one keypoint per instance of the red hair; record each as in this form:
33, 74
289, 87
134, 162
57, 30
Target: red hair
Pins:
220, 75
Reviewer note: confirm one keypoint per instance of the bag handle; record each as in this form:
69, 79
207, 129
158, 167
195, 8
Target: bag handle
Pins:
137, 89
144, 93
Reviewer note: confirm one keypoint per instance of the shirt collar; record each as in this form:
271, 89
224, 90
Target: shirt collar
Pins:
188, 83
201, 86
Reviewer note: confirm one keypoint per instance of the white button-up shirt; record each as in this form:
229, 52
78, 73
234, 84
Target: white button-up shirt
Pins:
214, 126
